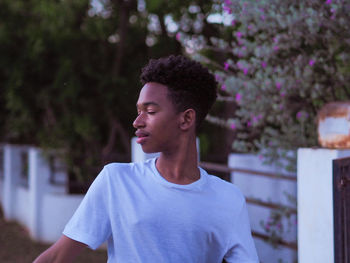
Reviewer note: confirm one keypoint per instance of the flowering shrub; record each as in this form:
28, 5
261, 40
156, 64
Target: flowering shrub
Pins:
283, 60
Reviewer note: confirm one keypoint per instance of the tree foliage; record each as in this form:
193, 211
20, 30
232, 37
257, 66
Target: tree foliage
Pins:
69, 76
279, 62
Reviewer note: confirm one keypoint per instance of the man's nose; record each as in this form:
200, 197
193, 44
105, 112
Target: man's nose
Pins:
138, 122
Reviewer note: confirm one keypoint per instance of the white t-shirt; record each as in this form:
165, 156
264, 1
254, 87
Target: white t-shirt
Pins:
147, 219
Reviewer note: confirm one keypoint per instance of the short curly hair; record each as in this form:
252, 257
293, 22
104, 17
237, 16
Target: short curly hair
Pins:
190, 84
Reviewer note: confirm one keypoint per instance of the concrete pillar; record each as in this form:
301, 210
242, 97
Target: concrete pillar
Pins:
137, 155
38, 179
315, 204
12, 170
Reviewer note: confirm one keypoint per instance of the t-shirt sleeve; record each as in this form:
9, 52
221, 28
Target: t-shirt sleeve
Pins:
90, 223
242, 248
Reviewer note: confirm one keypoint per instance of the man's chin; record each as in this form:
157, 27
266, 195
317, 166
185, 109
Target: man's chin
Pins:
149, 150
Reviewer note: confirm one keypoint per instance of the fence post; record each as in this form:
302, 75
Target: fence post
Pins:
12, 171
38, 180
315, 204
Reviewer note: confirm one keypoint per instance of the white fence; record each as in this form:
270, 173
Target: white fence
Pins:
259, 189
33, 192
30, 195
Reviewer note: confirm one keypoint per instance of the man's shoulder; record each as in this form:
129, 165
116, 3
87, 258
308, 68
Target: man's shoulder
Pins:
126, 168
225, 188
118, 166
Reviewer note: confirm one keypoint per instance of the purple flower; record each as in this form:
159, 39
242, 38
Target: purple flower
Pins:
302, 114
262, 17
275, 48
233, 22
218, 78
283, 94
250, 27
238, 97
226, 66
227, 9
278, 85
263, 64
233, 126
245, 71
249, 123
178, 36
223, 87
311, 62
239, 34
328, 2
228, 2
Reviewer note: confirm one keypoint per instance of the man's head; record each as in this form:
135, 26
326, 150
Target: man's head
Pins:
190, 85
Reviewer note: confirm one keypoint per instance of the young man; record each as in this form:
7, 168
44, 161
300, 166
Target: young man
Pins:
166, 209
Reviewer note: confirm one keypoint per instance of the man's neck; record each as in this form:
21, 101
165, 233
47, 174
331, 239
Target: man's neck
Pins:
180, 167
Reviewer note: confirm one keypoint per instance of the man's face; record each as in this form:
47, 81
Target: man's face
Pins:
157, 122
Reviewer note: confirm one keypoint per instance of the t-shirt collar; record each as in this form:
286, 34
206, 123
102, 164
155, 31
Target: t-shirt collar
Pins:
195, 186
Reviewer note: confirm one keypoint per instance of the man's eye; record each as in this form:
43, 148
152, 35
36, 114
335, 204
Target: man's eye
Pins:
150, 112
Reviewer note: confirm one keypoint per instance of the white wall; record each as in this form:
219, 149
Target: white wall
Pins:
57, 210
315, 210
268, 190
22, 206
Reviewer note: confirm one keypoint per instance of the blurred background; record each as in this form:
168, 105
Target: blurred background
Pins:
69, 81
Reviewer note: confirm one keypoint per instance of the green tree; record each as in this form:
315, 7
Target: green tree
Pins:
69, 77
69, 71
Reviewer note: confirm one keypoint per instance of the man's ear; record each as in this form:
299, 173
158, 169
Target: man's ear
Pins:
188, 119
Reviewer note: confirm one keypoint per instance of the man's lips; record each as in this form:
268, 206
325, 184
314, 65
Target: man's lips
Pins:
141, 136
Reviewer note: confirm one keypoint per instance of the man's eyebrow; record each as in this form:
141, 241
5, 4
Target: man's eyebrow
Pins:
145, 104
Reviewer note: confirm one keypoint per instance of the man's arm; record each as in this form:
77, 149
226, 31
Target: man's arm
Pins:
64, 250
